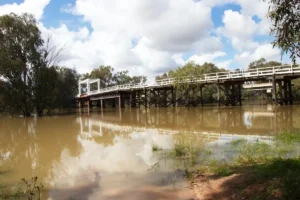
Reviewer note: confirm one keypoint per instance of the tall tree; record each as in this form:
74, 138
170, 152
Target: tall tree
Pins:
67, 87
285, 15
121, 78
105, 74
20, 42
138, 79
261, 63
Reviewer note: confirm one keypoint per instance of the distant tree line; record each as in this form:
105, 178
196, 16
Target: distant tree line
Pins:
108, 77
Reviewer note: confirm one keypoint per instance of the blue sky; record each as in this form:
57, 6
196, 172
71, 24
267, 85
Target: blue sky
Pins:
153, 36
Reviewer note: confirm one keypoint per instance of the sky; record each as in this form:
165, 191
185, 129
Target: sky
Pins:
149, 37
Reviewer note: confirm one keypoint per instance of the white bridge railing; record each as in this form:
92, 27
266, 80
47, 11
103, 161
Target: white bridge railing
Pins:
212, 77
250, 73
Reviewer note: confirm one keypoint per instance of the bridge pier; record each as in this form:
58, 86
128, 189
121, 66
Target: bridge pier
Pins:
79, 106
283, 93
232, 94
191, 95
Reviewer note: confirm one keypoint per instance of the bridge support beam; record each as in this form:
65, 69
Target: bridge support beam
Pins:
231, 94
162, 97
88, 105
190, 95
282, 92
79, 106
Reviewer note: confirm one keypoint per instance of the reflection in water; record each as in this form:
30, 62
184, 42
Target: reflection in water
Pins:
109, 156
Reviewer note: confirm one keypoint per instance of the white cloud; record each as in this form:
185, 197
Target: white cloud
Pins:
35, 7
161, 30
151, 36
240, 29
224, 64
263, 51
201, 59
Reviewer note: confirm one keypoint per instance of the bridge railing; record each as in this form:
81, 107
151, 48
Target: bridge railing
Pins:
267, 71
257, 72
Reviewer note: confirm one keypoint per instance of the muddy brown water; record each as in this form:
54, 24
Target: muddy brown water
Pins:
109, 155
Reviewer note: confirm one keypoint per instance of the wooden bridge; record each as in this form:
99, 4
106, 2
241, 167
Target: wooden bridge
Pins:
188, 91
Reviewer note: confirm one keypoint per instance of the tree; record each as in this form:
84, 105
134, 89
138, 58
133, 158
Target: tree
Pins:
138, 79
121, 78
68, 87
45, 89
105, 74
85, 76
193, 71
285, 15
261, 63
20, 43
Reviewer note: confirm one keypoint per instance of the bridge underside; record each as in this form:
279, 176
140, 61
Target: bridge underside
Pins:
228, 93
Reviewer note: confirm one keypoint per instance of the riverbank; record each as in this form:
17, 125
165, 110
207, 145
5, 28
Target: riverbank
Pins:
278, 179
254, 170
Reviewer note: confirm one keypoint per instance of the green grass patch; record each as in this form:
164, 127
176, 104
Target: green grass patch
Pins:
286, 172
156, 148
219, 168
238, 142
186, 151
253, 153
288, 137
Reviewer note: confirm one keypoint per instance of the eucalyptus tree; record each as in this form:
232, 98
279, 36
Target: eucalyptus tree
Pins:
105, 74
30, 77
285, 15
20, 44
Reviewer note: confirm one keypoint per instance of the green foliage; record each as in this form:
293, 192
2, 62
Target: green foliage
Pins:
288, 138
193, 71
109, 78
287, 171
105, 74
20, 56
186, 151
238, 142
261, 63
219, 168
67, 87
29, 80
156, 148
285, 17
254, 152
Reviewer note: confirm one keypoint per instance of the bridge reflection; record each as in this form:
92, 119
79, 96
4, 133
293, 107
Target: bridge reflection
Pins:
209, 122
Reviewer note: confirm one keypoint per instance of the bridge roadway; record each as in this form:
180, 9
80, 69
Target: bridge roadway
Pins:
165, 92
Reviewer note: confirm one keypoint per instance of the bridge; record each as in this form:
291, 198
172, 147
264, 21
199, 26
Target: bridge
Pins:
188, 91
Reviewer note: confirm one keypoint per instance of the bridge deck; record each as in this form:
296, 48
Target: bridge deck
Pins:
212, 78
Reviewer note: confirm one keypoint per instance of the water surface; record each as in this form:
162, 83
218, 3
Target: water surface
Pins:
109, 155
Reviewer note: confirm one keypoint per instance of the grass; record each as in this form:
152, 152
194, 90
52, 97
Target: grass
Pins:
288, 138
238, 142
156, 148
186, 151
253, 153
30, 189
282, 175
219, 168
272, 165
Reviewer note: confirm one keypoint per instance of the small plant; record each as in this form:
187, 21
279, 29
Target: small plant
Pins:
33, 190
156, 148
238, 142
220, 169
288, 138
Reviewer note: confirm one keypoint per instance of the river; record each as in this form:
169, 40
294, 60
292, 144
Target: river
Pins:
110, 155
